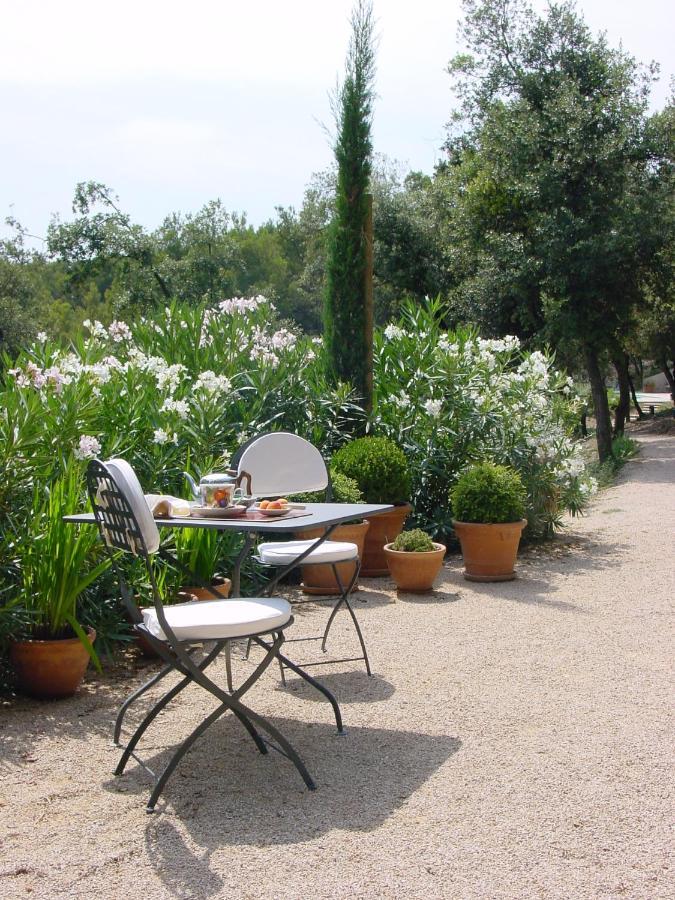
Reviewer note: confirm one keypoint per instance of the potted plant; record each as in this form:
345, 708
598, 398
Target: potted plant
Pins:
58, 562
488, 504
381, 471
320, 579
199, 550
414, 560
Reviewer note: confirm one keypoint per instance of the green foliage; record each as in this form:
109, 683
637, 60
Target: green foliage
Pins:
344, 490
553, 190
58, 561
379, 468
489, 493
206, 553
623, 449
345, 311
415, 541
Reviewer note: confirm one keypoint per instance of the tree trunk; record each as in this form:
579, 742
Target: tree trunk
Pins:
670, 375
637, 406
622, 413
603, 421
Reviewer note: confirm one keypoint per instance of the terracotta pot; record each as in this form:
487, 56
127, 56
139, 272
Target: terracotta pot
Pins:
320, 579
384, 528
489, 551
50, 669
414, 572
221, 586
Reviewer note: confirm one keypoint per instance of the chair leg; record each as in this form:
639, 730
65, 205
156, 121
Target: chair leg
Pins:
232, 703
132, 699
360, 636
164, 701
315, 684
344, 599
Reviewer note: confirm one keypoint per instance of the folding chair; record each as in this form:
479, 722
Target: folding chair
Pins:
280, 463
126, 524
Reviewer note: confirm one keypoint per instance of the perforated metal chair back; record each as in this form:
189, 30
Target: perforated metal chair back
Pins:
123, 516
283, 463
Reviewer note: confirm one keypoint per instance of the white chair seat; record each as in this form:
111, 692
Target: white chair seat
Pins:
286, 552
210, 620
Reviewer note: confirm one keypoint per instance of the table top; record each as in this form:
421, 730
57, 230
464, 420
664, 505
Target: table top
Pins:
321, 515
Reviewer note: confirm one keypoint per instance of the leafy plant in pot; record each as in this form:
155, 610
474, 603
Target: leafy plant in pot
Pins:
414, 560
488, 503
58, 561
320, 579
380, 469
200, 551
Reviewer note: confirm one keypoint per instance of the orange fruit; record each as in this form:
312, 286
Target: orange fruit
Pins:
282, 501
275, 505
264, 504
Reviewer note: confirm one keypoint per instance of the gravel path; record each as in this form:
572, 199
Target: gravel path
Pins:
513, 743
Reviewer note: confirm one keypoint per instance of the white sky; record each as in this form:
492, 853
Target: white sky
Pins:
174, 104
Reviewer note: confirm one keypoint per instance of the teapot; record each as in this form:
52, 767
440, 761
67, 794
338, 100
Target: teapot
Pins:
221, 489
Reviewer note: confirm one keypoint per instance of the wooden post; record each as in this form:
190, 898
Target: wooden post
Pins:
368, 303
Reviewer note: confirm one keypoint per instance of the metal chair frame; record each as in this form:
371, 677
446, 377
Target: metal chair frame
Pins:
345, 591
120, 531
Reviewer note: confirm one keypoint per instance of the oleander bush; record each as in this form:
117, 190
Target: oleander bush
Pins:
181, 389
452, 398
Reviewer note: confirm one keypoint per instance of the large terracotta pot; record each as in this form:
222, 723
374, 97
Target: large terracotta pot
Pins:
320, 579
221, 586
50, 669
384, 528
414, 572
489, 551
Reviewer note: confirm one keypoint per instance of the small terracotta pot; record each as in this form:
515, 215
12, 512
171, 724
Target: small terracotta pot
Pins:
489, 551
320, 579
50, 669
384, 528
221, 586
414, 572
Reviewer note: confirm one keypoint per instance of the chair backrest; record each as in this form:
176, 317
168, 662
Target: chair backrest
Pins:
123, 516
283, 463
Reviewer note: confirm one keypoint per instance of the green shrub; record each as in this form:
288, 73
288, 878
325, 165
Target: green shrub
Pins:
489, 493
379, 468
345, 490
415, 541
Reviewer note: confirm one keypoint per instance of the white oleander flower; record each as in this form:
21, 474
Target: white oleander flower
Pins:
161, 436
392, 332
433, 408
181, 407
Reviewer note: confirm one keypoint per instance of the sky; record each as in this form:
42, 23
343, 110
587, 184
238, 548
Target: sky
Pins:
175, 104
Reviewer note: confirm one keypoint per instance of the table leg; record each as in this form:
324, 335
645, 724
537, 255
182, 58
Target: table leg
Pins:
249, 540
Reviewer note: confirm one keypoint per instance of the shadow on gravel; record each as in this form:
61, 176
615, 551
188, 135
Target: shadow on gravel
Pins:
226, 794
348, 687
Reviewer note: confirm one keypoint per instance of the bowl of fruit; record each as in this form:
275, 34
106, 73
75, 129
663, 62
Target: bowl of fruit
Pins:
273, 507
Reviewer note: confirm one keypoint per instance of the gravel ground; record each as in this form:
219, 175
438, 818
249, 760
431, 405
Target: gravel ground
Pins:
514, 742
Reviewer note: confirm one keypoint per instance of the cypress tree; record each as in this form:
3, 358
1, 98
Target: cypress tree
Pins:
345, 317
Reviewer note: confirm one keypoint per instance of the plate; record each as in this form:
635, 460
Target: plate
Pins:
272, 512
218, 512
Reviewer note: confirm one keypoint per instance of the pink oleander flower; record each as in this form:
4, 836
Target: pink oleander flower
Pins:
87, 448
